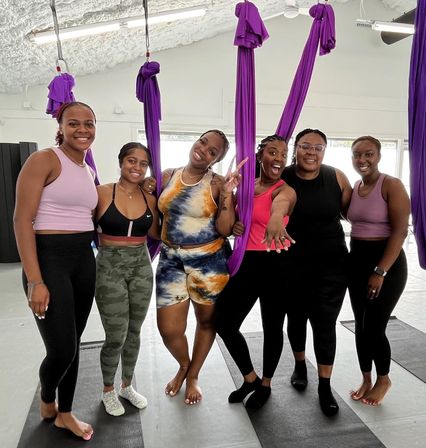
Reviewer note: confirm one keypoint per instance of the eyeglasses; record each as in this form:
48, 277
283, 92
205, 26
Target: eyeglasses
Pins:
308, 147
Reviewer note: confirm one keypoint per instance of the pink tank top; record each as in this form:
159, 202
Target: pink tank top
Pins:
67, 202
369, 215
262, 204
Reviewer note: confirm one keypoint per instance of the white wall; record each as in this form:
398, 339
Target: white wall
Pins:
360, 88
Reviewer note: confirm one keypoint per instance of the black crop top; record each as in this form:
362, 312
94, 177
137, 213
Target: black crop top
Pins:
114, 223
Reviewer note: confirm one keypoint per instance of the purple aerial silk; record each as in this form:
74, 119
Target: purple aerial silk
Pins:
249, 35
60, 92
417, 131
322, 32
91, 162
148, 92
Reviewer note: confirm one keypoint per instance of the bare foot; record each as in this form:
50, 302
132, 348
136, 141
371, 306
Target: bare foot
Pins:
361, 391
193, 392
66, 420
173, 386
48, 410
375, 396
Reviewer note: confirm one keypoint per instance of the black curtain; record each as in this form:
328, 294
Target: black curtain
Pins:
12, 157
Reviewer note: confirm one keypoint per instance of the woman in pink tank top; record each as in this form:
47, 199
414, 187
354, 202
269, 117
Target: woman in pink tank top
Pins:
259, 276
379, 213
55, 198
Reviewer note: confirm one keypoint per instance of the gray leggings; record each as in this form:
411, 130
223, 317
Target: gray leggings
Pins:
123, 291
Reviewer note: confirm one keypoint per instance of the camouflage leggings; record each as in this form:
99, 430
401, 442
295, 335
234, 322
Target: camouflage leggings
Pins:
123, 292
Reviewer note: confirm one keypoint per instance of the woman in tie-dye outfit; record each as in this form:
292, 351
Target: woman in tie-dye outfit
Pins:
198, 209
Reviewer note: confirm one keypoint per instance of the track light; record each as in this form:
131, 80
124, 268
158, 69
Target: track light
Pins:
74, 32
389, 27
393, 27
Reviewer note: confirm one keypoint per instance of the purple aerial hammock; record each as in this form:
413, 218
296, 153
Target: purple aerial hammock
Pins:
148, 92
60, 88
417, 131
249, 35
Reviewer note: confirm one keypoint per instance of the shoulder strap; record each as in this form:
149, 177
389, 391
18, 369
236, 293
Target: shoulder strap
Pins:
113, 192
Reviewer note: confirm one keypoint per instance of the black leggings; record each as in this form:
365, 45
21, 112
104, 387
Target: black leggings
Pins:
372, 316
260, 276
316, 290
68, 268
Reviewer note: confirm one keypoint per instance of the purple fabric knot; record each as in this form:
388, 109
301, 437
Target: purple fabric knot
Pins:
150, 69
60, 92
146, 83
251, 32
325, 14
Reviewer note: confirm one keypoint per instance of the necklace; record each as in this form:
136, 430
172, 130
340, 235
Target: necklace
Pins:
194, 176
129, 193
80, 164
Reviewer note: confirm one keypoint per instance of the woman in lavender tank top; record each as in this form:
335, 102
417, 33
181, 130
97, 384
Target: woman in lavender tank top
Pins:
379, 213
55, 198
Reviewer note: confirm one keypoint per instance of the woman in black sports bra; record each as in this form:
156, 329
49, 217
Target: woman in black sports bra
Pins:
124, 217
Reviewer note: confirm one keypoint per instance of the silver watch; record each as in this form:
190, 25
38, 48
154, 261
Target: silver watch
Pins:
380, 271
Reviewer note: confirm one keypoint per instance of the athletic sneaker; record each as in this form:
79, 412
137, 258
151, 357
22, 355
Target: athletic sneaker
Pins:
137, 400
112, 403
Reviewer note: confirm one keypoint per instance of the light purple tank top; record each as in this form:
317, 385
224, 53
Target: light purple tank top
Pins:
369, 215
67, 202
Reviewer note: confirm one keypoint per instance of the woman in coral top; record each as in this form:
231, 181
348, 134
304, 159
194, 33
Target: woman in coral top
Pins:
273, 201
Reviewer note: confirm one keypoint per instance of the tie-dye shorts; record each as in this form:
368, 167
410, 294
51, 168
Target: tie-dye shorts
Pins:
199, 274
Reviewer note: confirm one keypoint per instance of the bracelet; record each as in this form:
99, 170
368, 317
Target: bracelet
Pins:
34, 284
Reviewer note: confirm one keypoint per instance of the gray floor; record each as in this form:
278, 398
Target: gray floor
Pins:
167, 422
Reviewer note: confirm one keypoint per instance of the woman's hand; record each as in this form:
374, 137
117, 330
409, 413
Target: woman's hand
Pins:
149, 184
277, 233
233, 179
238, 228
38, 299
374, 286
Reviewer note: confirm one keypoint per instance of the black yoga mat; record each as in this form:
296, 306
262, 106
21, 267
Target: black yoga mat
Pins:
124, 431
408, 345
294, 419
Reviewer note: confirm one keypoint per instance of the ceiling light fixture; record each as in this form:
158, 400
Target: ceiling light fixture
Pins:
291, 10
43, 37
390, 27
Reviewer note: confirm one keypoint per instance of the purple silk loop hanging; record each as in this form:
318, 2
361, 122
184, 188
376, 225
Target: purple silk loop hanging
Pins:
417, 131
91, 162
323, 34
148, 92
250, 34
60, 92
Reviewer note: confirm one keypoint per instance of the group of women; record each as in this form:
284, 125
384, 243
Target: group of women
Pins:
58, 207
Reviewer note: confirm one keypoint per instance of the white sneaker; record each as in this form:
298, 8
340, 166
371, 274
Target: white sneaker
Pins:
137, 400
112, 403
